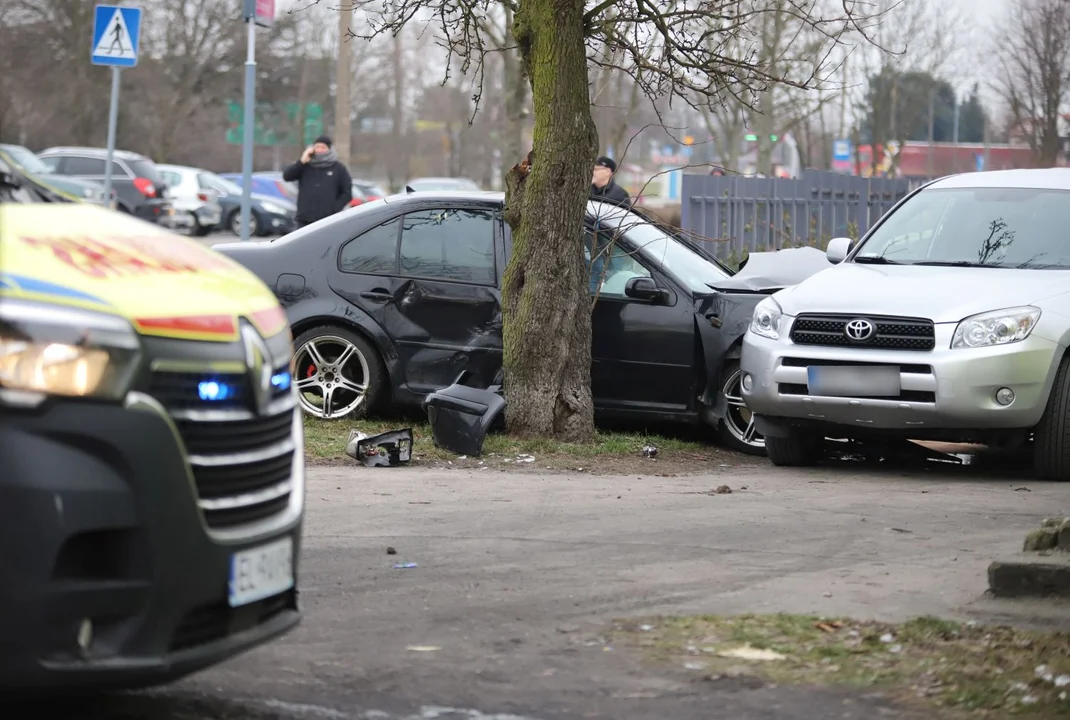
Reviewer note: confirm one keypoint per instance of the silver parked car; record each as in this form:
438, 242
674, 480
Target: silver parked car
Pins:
197, 207
949, 320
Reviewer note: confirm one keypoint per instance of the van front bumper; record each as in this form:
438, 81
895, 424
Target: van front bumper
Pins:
941, 389
111, 578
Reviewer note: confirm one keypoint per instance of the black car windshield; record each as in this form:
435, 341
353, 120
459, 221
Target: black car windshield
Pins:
688, 266
975, 227
26, 160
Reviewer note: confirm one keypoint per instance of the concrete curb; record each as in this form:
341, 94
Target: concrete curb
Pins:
1030, 575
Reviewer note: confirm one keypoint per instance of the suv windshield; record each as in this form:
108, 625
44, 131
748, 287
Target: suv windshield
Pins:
691, 268
982, 227
26, 160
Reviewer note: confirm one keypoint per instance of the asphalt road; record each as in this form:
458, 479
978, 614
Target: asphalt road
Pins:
518, 574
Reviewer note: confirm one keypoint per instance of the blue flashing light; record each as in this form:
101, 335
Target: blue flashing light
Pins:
215, 391
281, 380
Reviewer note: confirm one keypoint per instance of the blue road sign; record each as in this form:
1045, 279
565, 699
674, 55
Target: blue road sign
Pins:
841, 150
116, 32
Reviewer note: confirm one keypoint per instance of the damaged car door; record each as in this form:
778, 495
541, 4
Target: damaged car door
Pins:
436, 296
642, 332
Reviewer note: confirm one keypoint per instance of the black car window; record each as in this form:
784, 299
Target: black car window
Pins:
613, 265
450, 244
373, 252
83, 166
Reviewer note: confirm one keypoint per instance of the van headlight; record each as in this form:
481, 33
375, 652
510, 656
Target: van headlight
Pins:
52, 350
999, 327
766, 319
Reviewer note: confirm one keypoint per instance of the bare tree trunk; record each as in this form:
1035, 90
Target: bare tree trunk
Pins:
546, 328
343, 105
516, 95
398, 167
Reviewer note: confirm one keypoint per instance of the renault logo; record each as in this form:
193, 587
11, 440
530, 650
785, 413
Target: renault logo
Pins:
859, 330
258, 361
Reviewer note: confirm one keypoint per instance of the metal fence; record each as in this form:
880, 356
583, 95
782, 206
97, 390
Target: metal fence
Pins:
737, 214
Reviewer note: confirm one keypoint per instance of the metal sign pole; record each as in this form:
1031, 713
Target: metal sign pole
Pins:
250, 119
113, 122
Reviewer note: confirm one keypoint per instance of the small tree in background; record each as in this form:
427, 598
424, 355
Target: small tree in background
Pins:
699, 52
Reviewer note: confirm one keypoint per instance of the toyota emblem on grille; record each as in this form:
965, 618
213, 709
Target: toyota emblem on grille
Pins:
258, 361
859, 330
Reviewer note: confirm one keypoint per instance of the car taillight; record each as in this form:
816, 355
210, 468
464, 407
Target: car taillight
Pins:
145, 187
354, 202
203, 197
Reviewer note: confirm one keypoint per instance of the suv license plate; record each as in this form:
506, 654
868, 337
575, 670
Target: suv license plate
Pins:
870, 381
261, 572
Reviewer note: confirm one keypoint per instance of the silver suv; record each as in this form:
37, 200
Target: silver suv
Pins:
949, 320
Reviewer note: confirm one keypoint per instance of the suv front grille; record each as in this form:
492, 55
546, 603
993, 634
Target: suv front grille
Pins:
890, 333
242, 461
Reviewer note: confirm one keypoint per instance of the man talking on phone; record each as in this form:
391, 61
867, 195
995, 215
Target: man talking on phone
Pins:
324, 186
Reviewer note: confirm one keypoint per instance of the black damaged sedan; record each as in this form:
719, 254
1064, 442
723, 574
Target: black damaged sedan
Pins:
394, 299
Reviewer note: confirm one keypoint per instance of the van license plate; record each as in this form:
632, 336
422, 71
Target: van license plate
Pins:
261, 572
836, 381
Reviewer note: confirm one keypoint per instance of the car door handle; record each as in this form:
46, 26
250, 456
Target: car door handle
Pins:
377, 295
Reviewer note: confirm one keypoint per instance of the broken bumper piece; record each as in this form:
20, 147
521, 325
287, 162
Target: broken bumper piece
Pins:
461, 416
384, 450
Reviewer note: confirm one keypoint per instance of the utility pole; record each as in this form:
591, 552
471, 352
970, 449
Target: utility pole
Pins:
342, 104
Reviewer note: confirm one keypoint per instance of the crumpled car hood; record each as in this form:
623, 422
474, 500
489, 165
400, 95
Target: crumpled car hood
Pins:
769, 271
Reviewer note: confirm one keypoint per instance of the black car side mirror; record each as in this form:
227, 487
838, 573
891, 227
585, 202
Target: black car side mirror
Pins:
643, 288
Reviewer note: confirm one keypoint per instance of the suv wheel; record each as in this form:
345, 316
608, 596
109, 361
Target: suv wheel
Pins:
1051, 439
337, 373
797, 449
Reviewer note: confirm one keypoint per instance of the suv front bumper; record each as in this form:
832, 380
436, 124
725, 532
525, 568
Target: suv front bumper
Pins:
99, 521
941, 388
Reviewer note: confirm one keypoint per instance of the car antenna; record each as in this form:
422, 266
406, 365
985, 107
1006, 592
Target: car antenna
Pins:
408, 189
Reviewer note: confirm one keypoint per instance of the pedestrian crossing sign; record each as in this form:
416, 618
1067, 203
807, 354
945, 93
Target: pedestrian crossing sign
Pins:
116, 31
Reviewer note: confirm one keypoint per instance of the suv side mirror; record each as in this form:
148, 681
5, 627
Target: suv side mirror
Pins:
837, 249
643, 288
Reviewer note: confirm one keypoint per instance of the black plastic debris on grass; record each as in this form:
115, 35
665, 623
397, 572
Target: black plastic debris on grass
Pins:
461, 416
387, 449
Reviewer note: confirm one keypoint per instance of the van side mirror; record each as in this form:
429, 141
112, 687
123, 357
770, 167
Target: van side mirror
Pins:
643, 288
837, 249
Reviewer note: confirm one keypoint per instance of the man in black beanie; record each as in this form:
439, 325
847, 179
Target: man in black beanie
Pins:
604, 188
324, 186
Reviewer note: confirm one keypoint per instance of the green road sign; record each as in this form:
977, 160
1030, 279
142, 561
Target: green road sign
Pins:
276, 123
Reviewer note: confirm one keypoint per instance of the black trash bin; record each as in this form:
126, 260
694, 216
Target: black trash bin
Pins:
461, 416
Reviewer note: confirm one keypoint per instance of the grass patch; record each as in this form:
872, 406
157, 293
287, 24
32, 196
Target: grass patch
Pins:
610, 452
956, 669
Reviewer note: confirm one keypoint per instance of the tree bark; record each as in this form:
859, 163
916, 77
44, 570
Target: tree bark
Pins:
545, 295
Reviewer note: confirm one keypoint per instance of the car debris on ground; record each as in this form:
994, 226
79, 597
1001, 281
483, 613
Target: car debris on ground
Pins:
387, 449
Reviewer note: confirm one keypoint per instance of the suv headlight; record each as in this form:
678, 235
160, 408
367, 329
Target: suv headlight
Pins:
52, 350
272, 208
766, 319
998, 327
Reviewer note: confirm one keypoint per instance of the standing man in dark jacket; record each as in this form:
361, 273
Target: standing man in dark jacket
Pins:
324, 186
604, 188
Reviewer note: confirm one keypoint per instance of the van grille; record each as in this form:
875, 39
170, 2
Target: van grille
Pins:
241, 461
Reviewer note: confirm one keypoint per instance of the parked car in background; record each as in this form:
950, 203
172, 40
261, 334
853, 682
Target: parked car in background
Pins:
193, 197
357, 196
269, 215
439, 183
949, 321
139, 189
370, 190
392, 300
36, 172
270, 184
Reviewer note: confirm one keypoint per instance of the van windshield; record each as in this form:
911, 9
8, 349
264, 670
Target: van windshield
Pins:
978, 227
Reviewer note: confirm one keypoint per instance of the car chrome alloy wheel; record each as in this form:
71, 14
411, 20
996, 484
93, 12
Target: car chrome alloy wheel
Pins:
331, 376
738, 418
